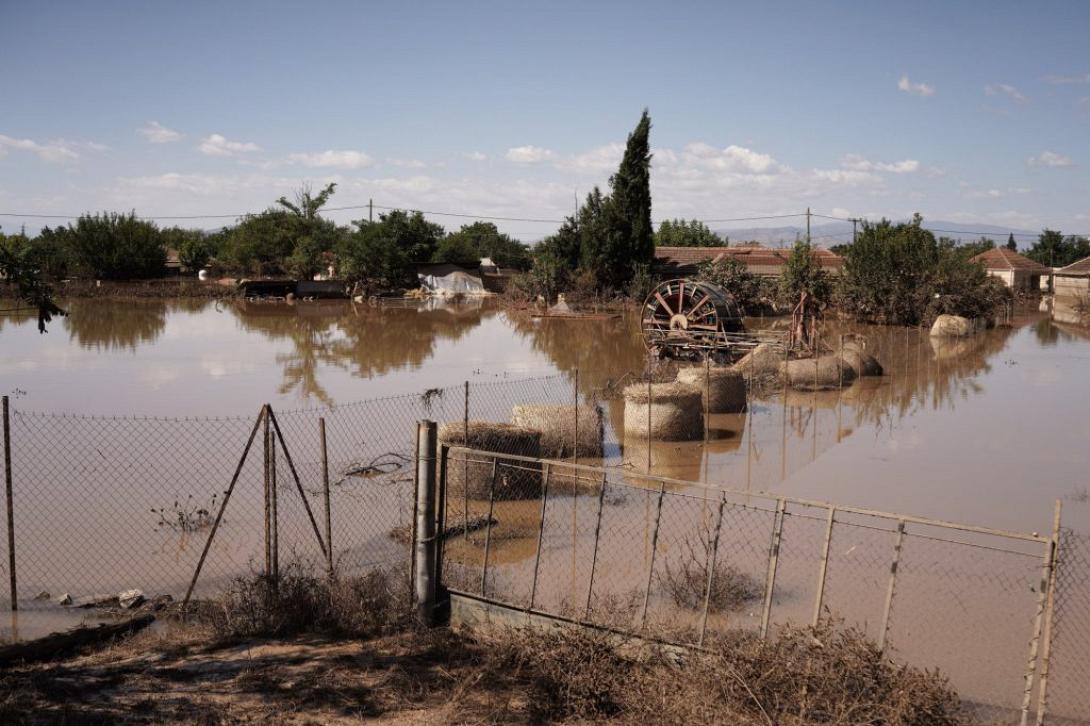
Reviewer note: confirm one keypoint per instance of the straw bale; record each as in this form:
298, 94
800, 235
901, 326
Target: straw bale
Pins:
723, 389
675, 411
762, 363
473, 477
955, 326
818, 373
557, 424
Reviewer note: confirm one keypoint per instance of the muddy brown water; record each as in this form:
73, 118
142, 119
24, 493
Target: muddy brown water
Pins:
989, 430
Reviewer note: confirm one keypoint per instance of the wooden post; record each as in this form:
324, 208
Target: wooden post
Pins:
13, 584
888, 609
773, 563
1046, 577
424, 588
823, 568
325, 497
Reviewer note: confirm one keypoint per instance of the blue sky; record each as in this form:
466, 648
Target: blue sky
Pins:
974, 112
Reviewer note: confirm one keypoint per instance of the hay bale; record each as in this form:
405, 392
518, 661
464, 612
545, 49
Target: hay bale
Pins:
859, 360
761, 363
955, 326
672, 412
557, 424
723, 389
472, 476
811, 374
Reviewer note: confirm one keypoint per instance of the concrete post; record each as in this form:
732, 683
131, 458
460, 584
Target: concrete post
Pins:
424, 585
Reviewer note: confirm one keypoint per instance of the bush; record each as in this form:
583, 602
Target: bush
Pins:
746, 289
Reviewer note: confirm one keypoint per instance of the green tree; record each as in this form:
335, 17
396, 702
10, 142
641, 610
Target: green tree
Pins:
745, 288
802, 272
625, 237
260, 243
111, 246
1055, 250
970, 250
1011, 244
195, 247
476, 241
18, 269
381, 255
691, 233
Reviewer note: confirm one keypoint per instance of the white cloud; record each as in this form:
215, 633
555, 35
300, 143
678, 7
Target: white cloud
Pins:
1058, 80
984, 194
57, 151
156, 133
733, 159
601, 159
916, 89
333, 159
850, 177
477, 156
528, 154
409, 163
1050, 159
996, 89
855, 162
217, 145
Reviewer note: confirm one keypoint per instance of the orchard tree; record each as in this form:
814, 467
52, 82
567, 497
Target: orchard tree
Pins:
691, 233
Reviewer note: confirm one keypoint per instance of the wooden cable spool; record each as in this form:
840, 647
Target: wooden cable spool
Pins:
687, 319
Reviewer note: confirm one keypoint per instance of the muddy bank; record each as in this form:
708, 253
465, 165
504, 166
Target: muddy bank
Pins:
160, 289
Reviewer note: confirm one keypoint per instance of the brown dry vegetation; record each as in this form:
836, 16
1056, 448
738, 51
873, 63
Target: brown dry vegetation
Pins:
391, 671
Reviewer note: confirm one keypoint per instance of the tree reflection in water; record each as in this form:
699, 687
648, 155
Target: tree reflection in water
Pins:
116, 324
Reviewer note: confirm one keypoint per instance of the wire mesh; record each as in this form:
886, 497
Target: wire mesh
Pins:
1068, 692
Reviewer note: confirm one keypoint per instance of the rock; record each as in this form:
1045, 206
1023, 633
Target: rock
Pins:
130, 599
818, 373
954, 326
64, 599
43, 595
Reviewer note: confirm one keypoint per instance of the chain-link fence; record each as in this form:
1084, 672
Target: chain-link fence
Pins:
689, 564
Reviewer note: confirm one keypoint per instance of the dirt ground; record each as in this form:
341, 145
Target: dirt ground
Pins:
415, 677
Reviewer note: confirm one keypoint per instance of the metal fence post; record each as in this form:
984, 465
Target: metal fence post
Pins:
773, 563
424, 585
488, 525
888, 609
325, 497
575, 444
654, 548
10, 504
274, 511
465, 468
712, 556
823, 568
540, 535
267, 434
1046, 577
594, 556
649, 419
1050, 606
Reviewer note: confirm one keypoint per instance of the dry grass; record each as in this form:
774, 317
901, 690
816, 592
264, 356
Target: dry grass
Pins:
686, 582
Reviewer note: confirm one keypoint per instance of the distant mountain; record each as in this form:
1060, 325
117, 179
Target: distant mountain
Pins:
833, 233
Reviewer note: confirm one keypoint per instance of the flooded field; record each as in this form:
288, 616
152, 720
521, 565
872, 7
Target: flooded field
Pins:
989, 430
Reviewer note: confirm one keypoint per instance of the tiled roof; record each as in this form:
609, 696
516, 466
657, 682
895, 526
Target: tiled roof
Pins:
1081, 267
684, 260
1001, 258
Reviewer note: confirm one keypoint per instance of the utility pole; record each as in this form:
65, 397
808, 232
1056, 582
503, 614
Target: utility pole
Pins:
854, 220
807, 225
370, 210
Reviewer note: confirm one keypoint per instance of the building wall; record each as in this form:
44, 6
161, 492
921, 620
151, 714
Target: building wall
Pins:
1071, 285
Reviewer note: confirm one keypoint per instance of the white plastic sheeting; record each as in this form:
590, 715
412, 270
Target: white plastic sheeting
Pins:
445, 280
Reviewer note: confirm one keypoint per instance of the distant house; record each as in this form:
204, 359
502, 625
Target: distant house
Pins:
763, 261
1073, 280
1017, 271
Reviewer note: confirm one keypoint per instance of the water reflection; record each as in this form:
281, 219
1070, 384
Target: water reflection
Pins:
114, 324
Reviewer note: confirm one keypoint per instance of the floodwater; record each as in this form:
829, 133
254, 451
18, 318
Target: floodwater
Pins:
990, 430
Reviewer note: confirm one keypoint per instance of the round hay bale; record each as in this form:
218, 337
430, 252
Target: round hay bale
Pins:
810, 374
671, 459
557, 424
954, 326
666, 412
472, 475
763, 362
723, 389
860, 361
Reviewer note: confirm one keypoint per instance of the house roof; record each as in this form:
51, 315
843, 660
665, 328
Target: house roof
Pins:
684, 260
1080, 268
1001, 258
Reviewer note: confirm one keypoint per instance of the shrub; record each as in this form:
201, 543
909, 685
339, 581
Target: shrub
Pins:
113, 246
